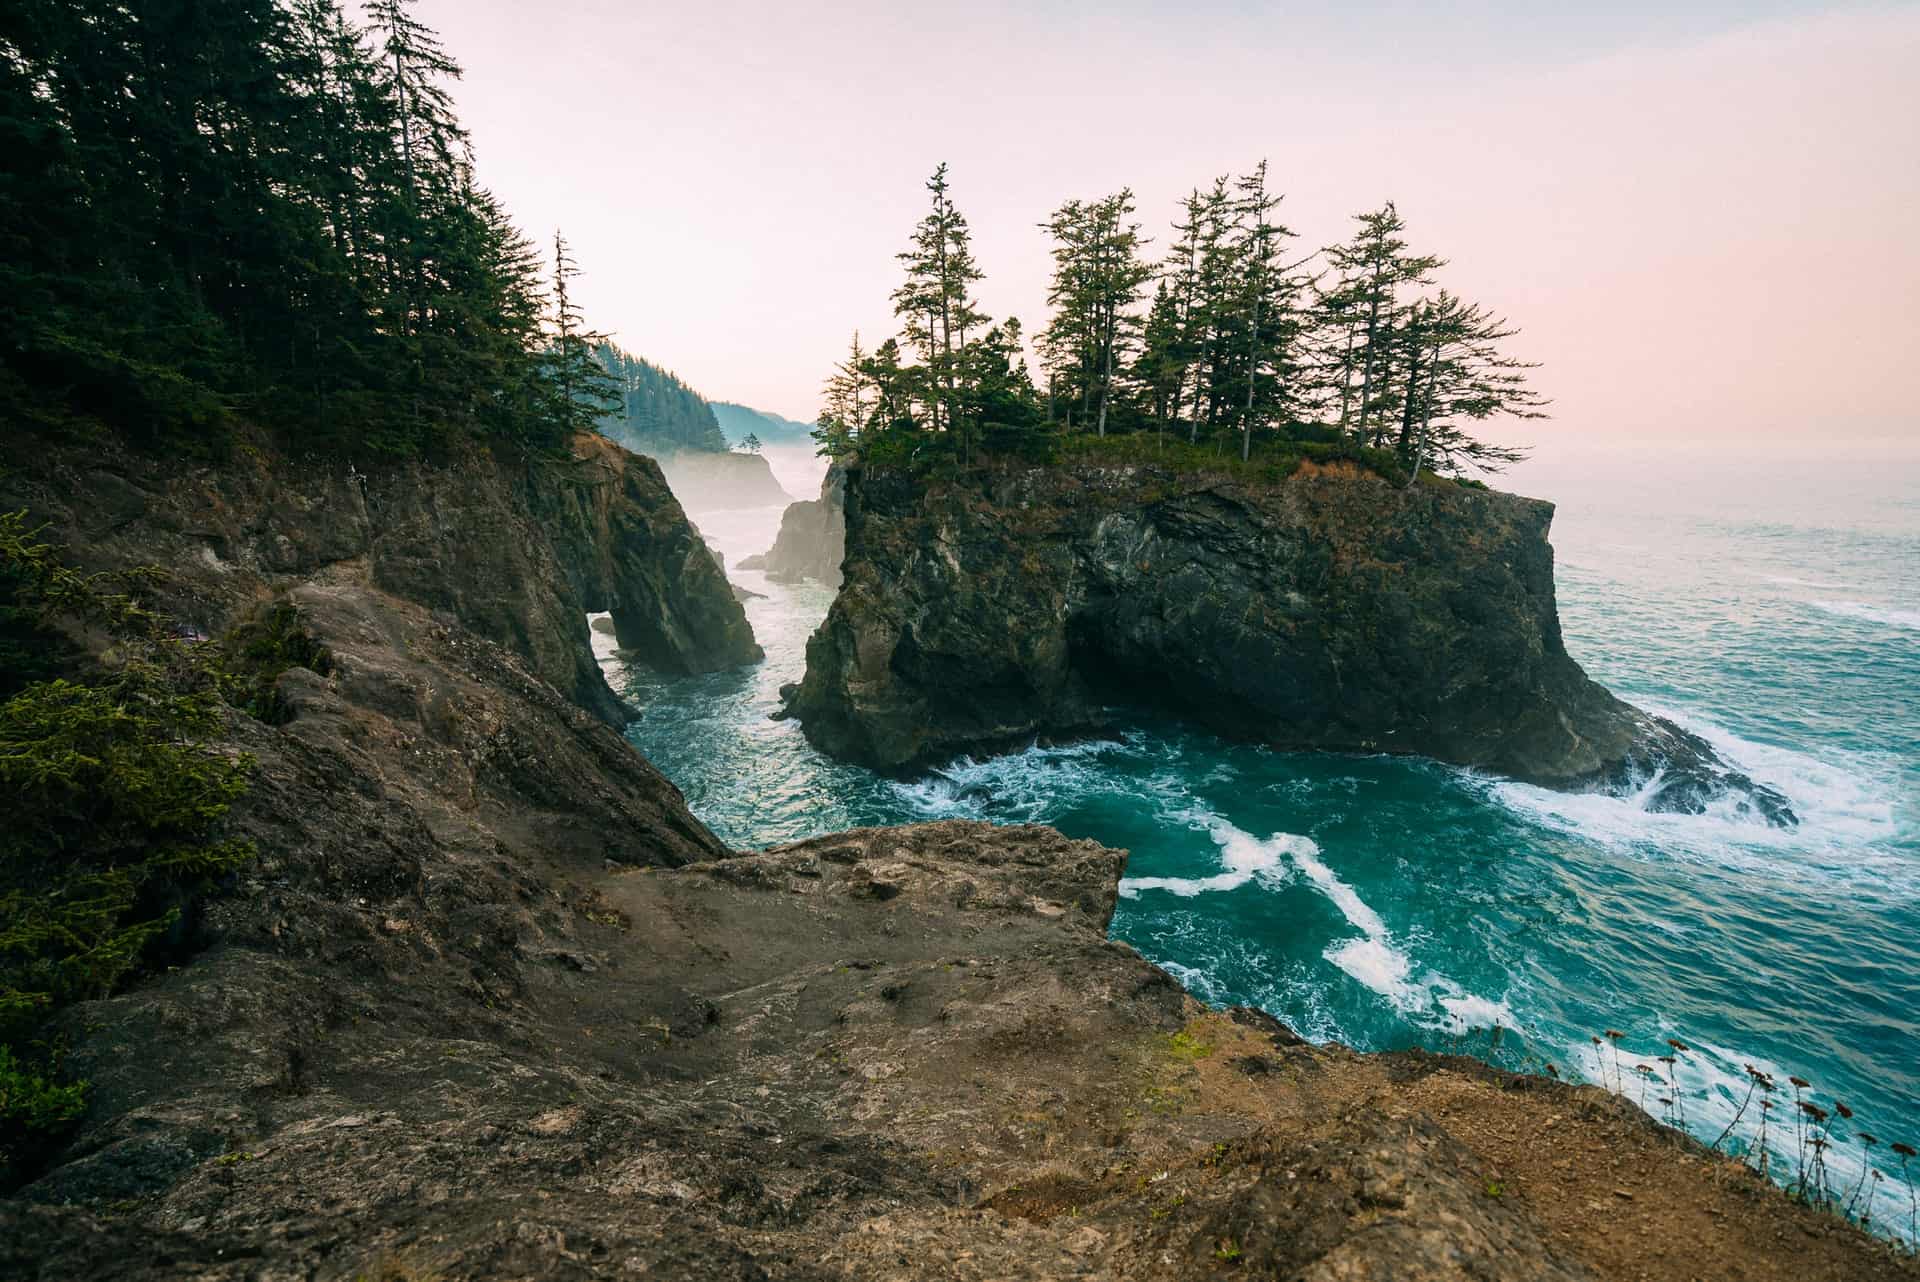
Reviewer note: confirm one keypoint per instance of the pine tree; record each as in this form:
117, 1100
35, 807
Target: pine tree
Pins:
935, 303
581, 391
1373, 269
1097, 278
843, 418
1459, 373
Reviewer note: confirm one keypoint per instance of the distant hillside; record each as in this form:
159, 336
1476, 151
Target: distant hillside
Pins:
739, 420
659, 413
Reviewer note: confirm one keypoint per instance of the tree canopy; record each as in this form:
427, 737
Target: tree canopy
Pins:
1234, 338
261, 210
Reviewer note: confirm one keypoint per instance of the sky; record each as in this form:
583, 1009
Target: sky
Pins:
1704, 218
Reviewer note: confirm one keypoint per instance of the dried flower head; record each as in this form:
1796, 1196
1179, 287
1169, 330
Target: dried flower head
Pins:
1843, 1110
1904, 1150
1801, 1082
1678, 1045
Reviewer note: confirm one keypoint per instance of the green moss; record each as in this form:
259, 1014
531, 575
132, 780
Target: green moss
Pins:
1273, 461
1185, 1046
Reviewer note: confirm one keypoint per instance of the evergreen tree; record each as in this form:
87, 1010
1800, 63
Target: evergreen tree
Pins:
843, 418
582, 392
1372, 270
1457, 372
935, 303
256, 209
1097, 277
657, 412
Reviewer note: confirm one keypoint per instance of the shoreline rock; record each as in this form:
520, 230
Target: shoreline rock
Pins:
492, 1003
812, 540
1328, 611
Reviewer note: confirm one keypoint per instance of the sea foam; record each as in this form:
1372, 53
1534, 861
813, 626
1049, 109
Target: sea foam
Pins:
1846, 808
1372, 959
1881, 614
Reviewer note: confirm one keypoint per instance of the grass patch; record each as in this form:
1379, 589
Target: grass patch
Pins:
1273, 461
1188, 1048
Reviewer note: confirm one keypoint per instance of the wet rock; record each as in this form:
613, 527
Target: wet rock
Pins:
1330, 610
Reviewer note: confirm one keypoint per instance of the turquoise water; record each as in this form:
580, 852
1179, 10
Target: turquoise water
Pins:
1773, 607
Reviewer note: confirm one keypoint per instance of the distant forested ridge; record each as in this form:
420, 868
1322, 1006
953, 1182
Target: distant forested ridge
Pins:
265, 211
657, 412
741, 421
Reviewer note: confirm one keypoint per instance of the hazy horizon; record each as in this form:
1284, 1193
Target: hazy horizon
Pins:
1700, 222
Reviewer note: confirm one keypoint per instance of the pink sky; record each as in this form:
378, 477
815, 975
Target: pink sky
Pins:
1700, 233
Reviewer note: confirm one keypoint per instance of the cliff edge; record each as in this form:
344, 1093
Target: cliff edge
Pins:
491, 1003
1331, 610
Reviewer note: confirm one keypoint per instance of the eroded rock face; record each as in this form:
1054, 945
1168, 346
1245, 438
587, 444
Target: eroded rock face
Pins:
1331, 610
491, 1004
813, 537
516, 550
628, 548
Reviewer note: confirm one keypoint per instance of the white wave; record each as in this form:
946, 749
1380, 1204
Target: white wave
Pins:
1372, 960
1847, 813
1344, 897
1242, 857
1467, 1011
1026, 785
1882, 614
1379, 966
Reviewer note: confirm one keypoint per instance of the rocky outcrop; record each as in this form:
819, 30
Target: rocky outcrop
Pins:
492, 1004
707, 480
1330, 610
813, 537
515, 550
627, 548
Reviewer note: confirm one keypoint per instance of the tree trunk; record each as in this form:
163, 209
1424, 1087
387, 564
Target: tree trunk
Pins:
1253, 366
1426, 414
1106, 376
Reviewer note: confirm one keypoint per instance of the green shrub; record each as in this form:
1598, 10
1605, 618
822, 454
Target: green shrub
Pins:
254, 655
115, 800
30, 1103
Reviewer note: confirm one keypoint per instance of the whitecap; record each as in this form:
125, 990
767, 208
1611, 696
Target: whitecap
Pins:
1377, 965
1887, 616
1846, 809
1023, 785
1373, 959
1243, 858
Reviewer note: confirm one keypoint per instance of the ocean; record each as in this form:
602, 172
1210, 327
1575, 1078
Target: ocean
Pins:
1770, 604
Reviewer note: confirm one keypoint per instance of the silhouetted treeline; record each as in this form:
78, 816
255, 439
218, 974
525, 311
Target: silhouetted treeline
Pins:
1245, 338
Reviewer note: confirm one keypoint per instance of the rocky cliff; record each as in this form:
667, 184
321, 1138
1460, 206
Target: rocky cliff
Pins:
1330, 610
491, 1003
516, 551
704, 480
813, 537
